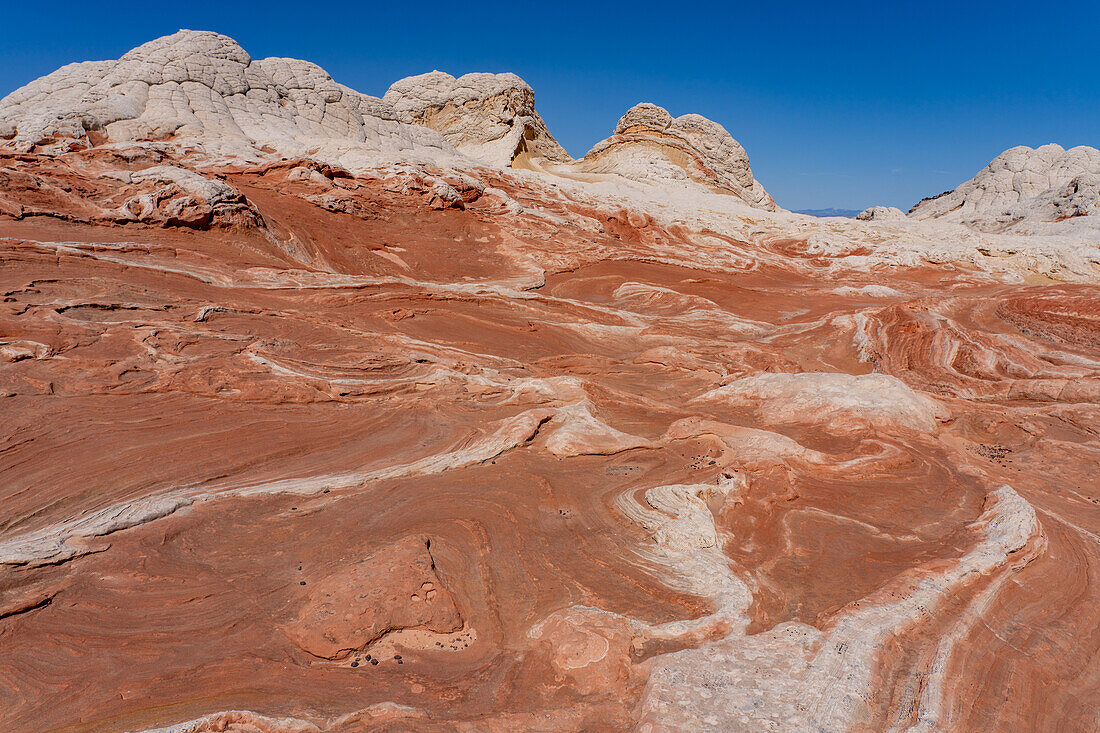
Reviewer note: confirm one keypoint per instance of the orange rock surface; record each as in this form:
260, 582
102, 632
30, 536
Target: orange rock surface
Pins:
338, 454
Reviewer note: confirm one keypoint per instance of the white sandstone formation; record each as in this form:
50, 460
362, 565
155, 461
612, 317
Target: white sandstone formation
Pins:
881, 213
202, 88
490, 117
650, 145
1023, 186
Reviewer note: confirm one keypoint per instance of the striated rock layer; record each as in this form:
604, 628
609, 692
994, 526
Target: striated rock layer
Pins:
346, 417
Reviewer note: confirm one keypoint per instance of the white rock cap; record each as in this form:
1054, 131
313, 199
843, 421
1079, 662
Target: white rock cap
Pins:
650, 144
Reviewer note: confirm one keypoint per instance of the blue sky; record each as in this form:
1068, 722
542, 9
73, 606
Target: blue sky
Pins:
843, 104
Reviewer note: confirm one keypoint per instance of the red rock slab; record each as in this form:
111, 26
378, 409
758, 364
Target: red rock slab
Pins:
392, 590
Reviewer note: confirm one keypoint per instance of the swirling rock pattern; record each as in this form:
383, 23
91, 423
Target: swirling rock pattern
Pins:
292, 445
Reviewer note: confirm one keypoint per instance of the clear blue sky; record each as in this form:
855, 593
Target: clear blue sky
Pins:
843, 104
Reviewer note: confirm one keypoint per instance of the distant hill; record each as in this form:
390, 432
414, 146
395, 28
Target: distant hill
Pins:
846, 213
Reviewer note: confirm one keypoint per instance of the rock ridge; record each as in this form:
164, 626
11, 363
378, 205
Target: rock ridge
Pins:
201, 91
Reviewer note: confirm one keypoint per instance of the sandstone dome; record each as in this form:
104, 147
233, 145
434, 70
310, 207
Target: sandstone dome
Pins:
202, 88
651, 145
1025, 186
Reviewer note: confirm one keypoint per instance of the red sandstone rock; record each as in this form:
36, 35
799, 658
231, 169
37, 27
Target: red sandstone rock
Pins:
355, 606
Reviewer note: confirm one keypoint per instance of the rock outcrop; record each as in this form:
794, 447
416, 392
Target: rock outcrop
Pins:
490, 117
120, 185
881, 213
1023, 186
651, 145
202, 88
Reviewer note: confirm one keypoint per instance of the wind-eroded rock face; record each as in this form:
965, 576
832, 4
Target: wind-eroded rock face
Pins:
305, 443
1023, 186
490, 117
